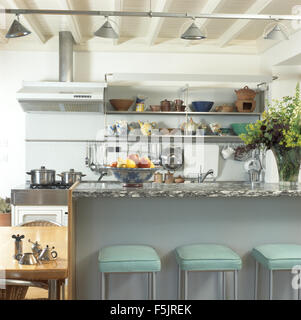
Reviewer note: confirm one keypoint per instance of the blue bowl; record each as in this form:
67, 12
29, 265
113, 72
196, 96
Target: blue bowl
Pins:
202, 106
133, 175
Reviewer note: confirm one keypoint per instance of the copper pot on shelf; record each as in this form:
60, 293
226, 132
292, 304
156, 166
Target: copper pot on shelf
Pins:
178, 103
165, 105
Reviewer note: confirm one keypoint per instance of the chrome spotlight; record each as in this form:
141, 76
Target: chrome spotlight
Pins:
276, 32
106, 31
17, 30
193, 33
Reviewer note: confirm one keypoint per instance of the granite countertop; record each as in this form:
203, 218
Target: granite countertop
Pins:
194, 190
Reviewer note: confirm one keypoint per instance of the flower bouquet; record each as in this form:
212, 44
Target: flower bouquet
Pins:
279, 130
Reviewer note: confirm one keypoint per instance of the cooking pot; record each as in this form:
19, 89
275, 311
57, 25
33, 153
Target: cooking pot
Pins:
70, 177
42, 176
165, 105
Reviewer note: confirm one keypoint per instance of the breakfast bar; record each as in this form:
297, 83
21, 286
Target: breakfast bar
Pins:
235, 214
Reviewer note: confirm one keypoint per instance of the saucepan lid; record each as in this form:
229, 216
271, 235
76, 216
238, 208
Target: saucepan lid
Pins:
41, 170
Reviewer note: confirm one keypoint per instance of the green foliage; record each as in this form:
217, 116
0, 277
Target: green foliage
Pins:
280, 125
4, 205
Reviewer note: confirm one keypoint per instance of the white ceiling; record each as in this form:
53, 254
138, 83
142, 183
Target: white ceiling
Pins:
148, 34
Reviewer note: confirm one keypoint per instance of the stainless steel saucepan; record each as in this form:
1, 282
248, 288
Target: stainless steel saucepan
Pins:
42, 176
70, 177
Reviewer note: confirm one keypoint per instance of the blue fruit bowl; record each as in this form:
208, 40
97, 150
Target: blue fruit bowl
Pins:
133, 177
202, 106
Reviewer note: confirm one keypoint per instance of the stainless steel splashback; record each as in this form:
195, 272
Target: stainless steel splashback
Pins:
39, 197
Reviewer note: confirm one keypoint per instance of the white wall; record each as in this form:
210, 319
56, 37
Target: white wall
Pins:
35, 65
15, 67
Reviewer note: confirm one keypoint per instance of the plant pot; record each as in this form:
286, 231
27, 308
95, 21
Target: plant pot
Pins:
5, 219
288, 164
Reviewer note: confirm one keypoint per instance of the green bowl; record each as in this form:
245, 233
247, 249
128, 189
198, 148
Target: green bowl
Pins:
239, 128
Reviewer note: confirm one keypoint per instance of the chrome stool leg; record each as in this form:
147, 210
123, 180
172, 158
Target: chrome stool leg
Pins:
185, 284
256, 280
154, 285
63, 290
103, 286
270, 284
235, 273
179, 283
149, 285
299, 289
223, 285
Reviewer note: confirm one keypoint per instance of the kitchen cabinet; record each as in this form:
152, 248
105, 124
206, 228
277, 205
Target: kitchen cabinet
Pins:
21, 214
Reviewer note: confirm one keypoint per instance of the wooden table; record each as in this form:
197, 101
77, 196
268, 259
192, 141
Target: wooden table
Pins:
52, 272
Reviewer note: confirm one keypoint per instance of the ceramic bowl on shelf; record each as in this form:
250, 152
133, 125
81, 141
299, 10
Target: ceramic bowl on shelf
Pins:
224, 108
155, 108
239, 128
202, 106
121, 104
226, 132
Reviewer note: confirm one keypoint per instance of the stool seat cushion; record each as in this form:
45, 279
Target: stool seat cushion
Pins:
128, 258
278, 256
201, 257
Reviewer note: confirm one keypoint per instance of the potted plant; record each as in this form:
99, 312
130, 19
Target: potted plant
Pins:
5, 212
279, 130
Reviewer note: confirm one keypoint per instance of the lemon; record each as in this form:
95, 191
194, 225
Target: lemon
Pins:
130, 163
121, 163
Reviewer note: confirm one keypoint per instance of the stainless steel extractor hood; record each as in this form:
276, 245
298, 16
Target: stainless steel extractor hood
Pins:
64, 95
61, 96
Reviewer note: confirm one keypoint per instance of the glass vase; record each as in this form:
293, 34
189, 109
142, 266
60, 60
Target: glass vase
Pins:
288, 164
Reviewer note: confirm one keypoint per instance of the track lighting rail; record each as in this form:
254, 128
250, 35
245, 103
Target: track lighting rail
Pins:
152, 14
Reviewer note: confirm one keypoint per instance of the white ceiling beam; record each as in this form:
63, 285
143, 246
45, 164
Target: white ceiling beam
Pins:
72, 22
238, 26
156, 23
33, 24
118, 6
209, 8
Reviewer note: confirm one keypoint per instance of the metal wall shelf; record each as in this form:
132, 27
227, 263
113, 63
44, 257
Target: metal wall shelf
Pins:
208, 139
160, 138
254, 114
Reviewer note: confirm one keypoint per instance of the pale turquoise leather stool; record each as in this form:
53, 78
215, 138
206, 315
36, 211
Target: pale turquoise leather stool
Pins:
206, 257
275, 257
129, 258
